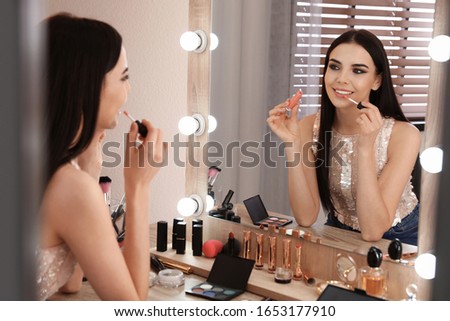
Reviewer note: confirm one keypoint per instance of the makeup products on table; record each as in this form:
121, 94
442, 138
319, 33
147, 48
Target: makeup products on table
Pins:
259, 259
358, 105
141, 127
161, 236
373, 277
259, 215
293, 102
227, 279
196, 222
181, 238
105, 184
174, 231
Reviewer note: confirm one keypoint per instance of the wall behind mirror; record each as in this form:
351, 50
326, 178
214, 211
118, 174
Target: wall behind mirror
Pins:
158, 77
250, 74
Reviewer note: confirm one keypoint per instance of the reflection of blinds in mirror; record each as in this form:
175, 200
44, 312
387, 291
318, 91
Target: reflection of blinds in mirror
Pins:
405, 28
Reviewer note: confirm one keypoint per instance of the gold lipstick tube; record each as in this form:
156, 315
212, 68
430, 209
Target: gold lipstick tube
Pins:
272, 262
247, 244
298, 274
259, 260
287, 253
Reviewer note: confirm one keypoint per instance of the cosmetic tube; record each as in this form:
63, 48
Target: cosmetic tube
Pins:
295, 234
161, 236
195, 222
181, 238
259, 260
282, 230
298, 274
272, 262
197, 240
286, 253
247, 244
174, 231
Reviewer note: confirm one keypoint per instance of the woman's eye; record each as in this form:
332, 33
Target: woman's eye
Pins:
333, 67
359, 71
125, 78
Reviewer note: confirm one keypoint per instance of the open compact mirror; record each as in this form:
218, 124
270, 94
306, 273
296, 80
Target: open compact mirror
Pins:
346, 269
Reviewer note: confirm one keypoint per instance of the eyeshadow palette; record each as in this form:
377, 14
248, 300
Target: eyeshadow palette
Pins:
227, 279
258, 213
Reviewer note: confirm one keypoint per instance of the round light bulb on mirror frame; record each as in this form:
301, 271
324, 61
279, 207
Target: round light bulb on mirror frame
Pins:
213, 41
425, 266
209, 203
194, 41
431, 159
212, 123
192, 205
439, 48
194, 124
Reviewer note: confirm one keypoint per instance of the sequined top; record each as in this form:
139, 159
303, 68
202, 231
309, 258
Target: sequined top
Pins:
55, 266
343, 173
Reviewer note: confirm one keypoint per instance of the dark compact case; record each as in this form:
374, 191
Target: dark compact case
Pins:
258, 213
227, 279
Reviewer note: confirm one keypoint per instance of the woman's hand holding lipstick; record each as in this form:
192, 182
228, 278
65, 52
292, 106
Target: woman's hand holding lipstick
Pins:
370, 122
143, 160
283, 119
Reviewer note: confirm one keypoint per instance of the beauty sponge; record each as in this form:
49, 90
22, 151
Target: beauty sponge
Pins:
212, 247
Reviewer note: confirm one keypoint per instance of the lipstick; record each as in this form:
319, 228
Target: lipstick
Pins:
141, 127
259, 261
247, 244
358, 105
293, 102
272, 262
298, 274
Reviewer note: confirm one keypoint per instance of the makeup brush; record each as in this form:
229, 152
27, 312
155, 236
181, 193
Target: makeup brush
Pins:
358, 105
141, 128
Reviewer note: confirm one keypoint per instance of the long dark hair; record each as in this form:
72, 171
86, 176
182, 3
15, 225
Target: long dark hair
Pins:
384, 98
80, 53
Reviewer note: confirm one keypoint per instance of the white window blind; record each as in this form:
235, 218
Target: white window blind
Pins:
404, 26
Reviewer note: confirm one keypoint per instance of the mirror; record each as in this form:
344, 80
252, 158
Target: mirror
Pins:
240, 98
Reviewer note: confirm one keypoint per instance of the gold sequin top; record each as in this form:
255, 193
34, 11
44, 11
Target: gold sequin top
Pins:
343, 173
55, 266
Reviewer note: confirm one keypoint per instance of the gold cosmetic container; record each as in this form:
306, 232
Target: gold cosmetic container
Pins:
298, 274
272, 261
287, 253
259, 260
247, 244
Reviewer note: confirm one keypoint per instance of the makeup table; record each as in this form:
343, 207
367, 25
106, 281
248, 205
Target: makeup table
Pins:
155, 293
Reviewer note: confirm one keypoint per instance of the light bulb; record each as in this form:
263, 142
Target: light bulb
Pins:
194, 124
187, 206
190, 41
212, 124
209, 203
214, 41
194, 41
192, 205
187, 125
431, 159
439, 48
425, 266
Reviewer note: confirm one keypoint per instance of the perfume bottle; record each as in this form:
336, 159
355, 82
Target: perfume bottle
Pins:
373, 277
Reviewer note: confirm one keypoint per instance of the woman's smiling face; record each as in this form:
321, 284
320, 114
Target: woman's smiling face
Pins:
351, 73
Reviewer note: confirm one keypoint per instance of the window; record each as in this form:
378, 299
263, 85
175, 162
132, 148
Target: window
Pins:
404, 26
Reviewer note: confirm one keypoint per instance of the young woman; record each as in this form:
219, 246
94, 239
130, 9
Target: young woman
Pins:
87, 84
359, 167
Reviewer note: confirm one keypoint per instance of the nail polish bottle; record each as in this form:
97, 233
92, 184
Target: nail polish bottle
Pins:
373, 277
247, 244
